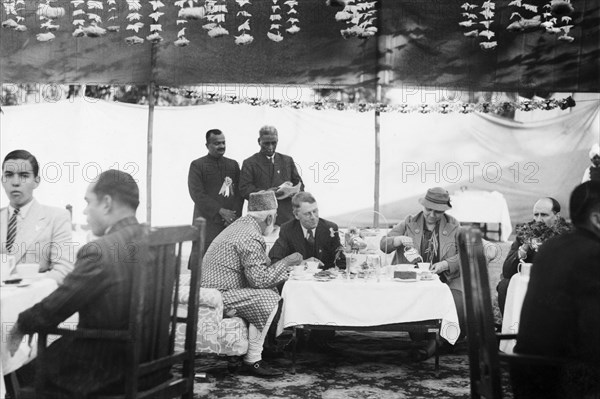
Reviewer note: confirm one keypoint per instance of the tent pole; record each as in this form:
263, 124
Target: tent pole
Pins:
151, 101
378, 95
377, 163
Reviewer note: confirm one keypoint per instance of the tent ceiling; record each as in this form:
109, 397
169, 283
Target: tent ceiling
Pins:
420, 43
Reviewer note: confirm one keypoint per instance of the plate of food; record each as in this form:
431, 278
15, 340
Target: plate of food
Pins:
323, 278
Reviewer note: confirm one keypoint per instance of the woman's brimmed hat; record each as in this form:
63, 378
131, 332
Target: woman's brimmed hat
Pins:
437, 199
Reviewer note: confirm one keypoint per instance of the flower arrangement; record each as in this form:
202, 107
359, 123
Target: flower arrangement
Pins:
535, 233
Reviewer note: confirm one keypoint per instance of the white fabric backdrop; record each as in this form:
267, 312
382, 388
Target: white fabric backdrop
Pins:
334, 151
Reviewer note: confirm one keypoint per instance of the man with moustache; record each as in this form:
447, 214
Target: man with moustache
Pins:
268, 170
213, 182
238, 266
30, 231
545, 210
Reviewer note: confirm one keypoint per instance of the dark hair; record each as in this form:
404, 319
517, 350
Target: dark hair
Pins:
120, 186
555, 205
584, 199
212, 132
267, 130
23, 154
301, 197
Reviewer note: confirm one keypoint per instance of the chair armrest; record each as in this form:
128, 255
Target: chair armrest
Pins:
501, 337
89, 333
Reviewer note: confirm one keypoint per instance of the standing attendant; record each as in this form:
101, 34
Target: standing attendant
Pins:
268, 170
213, 182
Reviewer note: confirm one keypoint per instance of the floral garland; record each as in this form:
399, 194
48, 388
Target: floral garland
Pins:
525, 17
274, 32
215, 14
191, 12
93, 29
557, 19
442, 107
78, 20
535, 233
360, 17
155, 28
554, 17
13, 7
48, 14
471, 20
292, 14
245, 37
113, 16
133, 22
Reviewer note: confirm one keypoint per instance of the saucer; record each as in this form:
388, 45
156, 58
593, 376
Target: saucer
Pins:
303, 276
407, 280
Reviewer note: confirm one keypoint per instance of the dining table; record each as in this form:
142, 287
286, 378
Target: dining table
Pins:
515, 295
15, 298
376, 303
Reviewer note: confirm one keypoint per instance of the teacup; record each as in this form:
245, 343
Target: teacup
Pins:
524, 269
312, 266
28, 270
7, 264
424, 266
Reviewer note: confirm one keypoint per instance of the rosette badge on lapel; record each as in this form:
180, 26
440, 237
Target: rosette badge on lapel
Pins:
226, 188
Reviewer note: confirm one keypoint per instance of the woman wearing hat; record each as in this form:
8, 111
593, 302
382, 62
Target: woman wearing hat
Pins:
433, 234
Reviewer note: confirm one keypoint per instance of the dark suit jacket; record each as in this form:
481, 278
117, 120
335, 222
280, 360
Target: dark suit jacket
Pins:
258, 173
291, 239
511, 263
561, 317
205, 178
99, 288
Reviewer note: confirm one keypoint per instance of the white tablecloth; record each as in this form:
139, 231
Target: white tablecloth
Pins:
517, 288
360, 303
14, 300
481, 207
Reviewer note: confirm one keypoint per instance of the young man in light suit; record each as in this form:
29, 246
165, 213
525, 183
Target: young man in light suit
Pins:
43, 233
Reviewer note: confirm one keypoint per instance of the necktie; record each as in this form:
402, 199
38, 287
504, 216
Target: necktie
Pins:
272, 167
310, 238
11, 233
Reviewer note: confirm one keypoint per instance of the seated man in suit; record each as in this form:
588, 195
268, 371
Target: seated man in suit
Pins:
561, 312
309, 235
545, 210
99, 288
30, 231
314, 238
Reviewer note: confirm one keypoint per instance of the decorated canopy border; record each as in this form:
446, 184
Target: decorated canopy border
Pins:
502, 45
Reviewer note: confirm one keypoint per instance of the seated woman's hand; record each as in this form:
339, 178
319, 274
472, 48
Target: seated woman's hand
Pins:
439, 267
403, 240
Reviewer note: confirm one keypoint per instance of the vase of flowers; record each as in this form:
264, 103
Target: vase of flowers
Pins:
535, 233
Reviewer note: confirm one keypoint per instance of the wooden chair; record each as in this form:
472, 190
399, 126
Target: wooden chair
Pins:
165, 248
484, 355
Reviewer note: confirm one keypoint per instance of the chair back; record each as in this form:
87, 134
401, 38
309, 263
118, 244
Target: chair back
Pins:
150, 338
484, 362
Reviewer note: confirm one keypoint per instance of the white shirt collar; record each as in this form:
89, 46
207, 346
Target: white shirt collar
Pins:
23, 211
305, 231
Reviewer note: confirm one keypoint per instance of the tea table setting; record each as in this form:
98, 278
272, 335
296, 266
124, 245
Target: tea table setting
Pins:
22, 287
371, 298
